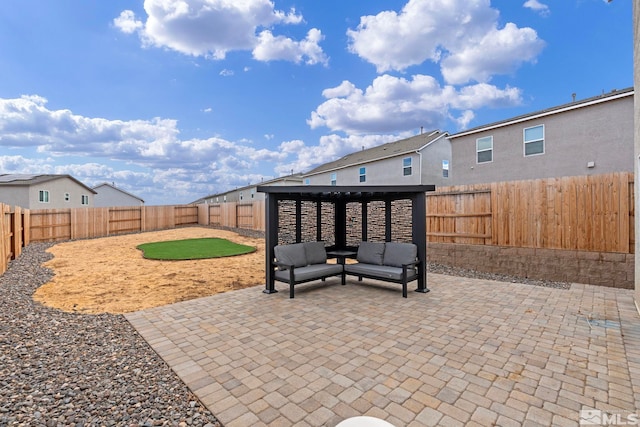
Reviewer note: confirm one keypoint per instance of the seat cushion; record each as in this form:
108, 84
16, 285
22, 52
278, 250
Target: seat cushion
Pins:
315, 252
381, 271
398, 254
293, 254
370, 253
309, 272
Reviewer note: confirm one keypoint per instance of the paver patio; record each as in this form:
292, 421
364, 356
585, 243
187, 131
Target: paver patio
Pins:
470, 352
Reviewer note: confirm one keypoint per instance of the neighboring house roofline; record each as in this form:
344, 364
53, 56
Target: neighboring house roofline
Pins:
34, 179
613, 95
337, 165
119, 189
296, 176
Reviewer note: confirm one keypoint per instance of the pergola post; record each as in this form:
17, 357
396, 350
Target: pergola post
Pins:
271, 238
419, 232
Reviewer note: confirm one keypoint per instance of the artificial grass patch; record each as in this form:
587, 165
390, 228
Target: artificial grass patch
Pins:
193, 249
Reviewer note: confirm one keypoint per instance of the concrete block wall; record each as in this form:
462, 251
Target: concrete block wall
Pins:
594, 268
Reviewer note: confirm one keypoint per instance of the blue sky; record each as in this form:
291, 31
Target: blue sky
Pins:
173, 100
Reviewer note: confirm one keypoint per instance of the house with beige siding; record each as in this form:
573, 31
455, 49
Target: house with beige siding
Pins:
420, 160
108, 195
589, 137
44, 191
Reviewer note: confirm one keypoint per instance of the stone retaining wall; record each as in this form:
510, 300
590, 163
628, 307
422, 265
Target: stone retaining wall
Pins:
595, 268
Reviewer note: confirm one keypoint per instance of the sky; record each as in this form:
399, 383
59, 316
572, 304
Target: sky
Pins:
174, 100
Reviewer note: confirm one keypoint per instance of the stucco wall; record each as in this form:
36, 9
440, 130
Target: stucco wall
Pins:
600, 133
15, 196
57, 189
108, 196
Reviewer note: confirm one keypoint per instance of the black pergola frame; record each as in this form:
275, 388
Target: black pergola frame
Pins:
340, 196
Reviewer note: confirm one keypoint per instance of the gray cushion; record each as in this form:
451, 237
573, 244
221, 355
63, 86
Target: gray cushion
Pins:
315, 252
291, 254
310, 272
370, 253
381, 271
397, 254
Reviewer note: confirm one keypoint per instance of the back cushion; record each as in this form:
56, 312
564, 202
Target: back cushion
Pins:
291, 254
315, 252
370, 253
397, 254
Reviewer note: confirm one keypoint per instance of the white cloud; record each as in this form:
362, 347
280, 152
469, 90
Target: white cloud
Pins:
498, 52
226, 73
392, 104
437, 30
272, 48
127, 22
148, 149
536, 6
212, 28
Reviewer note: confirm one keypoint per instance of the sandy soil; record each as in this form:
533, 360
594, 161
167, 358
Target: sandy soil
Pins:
109, 275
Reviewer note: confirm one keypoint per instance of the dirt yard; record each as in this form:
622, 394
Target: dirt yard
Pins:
109, 275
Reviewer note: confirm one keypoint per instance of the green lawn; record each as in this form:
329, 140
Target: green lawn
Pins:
193, 249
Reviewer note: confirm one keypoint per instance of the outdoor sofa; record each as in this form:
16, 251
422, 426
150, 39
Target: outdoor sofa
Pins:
304, 262
388, 262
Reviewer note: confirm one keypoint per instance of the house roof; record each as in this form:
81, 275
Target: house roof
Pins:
27, 180
614, 94
294, 177
391, 149
118, 189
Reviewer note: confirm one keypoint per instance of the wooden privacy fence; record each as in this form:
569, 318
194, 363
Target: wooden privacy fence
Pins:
12, 232
247, 215
585, 213
84, 223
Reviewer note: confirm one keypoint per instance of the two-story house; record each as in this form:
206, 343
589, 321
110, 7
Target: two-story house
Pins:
421, 159
44, 191
588, 137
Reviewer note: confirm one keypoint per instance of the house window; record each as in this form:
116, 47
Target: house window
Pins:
534, 140
334, 179
484, 149
67, 197
445, 168
43, 196
406, 166
307, 181
363, 174
84, 199
253, 193
241, 197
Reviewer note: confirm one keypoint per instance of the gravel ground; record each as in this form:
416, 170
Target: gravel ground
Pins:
462, 272
63, 369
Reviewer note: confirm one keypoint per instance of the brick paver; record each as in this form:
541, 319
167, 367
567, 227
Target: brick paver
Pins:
469, 352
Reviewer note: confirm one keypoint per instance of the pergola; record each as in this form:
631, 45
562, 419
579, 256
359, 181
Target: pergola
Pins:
332, 224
